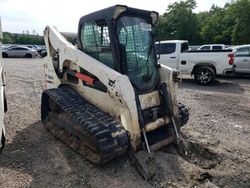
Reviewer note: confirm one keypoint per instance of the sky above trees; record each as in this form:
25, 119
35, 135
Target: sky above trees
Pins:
225, 25
22, 15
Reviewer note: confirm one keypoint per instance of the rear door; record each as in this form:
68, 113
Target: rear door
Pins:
168, 54
216, 47
242, 60
17, 52
12, 52
21, 52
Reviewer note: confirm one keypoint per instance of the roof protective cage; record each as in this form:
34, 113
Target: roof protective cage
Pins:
114, 12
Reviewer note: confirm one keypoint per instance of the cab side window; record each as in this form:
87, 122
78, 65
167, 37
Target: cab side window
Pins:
96, 41
167, 48
184, 47
217, 47
205, 48
243, 52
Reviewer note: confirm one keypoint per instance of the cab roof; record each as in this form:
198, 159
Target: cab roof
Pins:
108, 13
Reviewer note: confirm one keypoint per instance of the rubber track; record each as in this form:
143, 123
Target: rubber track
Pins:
90, 122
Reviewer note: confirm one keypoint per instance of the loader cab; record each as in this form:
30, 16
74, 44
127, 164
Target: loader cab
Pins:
123, 39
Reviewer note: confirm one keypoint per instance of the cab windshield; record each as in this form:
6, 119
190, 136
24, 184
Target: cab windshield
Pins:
137, 49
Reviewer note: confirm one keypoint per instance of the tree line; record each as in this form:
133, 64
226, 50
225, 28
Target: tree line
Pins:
34, 38
24, 38
228, 25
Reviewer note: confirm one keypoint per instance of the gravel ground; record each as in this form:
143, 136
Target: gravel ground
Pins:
217, 140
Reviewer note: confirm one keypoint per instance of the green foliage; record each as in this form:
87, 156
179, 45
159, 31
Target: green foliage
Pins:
216, 27
8, 38
227, 25
241, 13
179, 22
24, 38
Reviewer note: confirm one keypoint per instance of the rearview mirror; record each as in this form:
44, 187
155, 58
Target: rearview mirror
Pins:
157, 49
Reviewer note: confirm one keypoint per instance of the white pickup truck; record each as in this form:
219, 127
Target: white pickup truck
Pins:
203, 65
212, 47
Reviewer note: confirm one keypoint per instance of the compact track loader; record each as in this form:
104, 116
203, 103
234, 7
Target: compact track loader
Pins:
109, 96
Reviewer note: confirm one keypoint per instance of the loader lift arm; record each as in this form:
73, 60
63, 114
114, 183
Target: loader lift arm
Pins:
67, 52
117, 85
3, 101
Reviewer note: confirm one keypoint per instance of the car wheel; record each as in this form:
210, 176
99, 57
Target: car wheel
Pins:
2, 142
5, 55
204, 75
28, 56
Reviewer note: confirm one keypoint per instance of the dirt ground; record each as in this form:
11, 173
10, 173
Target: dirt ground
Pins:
217, 139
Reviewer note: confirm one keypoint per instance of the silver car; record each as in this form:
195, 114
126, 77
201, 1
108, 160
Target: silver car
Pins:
19, 51
242, 59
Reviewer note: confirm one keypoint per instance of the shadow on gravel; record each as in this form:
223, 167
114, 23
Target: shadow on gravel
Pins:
222, 86
232, 180
34, 152
216, 168
50, 163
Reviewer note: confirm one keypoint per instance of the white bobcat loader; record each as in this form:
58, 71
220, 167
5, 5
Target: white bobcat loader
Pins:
109, 96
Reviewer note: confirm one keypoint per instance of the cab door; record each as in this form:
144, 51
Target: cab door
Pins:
242, 60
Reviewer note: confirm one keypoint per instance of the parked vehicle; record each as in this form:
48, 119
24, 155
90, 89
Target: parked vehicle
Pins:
3, 47
212, 47
242, 59
43, 52
193, 47
7, 46
35, 47
203, 65
19, 51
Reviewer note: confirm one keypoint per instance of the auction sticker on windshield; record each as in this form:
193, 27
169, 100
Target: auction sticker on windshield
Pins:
146, 26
